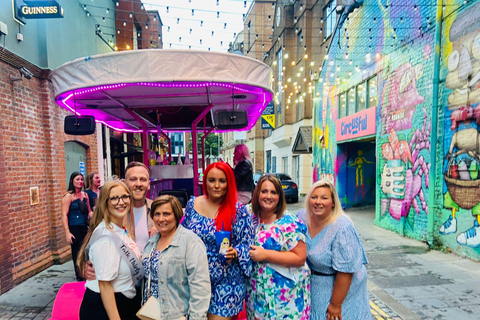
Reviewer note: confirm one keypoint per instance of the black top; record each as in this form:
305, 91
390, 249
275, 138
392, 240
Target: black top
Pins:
92, 198
244, 176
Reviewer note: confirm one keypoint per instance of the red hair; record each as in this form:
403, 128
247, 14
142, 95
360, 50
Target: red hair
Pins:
226, 211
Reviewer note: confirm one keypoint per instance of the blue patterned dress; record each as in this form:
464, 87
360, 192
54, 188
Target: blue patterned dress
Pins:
229, 281
338, 248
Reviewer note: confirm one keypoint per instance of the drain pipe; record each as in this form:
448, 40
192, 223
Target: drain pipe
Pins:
433, 145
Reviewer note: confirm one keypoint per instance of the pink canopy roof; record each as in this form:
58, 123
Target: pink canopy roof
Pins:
172, 88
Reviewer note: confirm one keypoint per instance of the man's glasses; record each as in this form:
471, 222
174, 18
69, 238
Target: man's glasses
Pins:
115, 200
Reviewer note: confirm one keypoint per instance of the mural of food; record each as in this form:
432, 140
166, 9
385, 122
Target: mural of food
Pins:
462, 134
461, 173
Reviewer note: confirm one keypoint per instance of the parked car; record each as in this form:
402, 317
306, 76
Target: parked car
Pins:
290, 188
257, 176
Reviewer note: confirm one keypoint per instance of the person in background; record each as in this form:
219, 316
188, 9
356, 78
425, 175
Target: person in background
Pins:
279, 287
176, 265
76, 213
243, 173
217, 210
336, 258
111, 295
92, 185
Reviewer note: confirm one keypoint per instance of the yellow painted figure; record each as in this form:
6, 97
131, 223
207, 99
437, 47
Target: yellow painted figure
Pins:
359, 162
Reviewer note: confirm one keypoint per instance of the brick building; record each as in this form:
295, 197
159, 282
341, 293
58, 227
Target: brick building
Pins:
34, 150
289, 37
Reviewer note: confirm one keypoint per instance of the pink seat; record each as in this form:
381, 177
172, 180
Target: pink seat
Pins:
68, 300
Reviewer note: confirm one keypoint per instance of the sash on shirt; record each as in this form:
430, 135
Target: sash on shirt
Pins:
133, 262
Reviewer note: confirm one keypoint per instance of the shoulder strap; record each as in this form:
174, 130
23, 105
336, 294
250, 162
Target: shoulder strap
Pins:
133, 262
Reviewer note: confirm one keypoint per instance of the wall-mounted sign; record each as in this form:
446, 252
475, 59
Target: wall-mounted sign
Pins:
268, 116
357, 125
36, 9
81, 168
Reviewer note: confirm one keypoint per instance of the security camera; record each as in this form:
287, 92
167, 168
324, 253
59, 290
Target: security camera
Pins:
26, 73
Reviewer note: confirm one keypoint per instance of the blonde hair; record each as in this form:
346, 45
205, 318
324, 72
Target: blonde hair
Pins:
337, 207
101, 213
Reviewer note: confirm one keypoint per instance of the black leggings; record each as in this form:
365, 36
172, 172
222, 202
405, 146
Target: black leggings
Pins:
79, 232
92, 307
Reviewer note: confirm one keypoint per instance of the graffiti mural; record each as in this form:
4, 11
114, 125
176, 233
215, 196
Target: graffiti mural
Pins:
405, 148
402, 97
405, 173
461, 185
461, 174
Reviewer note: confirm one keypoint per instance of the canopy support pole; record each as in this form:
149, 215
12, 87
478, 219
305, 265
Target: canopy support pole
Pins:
195, 146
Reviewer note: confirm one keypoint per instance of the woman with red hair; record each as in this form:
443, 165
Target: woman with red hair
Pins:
218, 210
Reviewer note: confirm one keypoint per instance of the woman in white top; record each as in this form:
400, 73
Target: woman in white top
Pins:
114, 255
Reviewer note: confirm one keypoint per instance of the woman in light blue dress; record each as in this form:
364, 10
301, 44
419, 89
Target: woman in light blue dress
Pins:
336, 258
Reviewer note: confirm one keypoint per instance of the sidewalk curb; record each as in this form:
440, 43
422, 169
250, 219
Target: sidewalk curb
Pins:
390, 302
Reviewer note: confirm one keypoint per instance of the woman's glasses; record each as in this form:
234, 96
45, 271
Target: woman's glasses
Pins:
115, 200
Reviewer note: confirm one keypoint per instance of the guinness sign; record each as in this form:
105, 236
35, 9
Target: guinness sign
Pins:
37, 9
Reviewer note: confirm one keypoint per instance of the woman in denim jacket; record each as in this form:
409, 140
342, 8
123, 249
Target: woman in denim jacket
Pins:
175, 259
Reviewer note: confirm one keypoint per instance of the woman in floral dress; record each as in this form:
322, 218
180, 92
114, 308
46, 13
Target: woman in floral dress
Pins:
280, 283
217, 210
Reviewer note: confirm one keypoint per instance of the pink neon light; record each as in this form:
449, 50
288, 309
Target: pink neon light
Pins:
64, 102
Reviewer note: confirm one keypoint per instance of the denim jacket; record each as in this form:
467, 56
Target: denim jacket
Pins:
184, 278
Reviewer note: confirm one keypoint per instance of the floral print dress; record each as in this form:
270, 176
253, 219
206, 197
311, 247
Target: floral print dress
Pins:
229, 280
277, 292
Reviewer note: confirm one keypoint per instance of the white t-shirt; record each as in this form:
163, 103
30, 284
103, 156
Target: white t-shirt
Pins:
141, 226
108, 264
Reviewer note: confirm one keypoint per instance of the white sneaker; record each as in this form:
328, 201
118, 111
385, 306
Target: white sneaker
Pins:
471, 237
449, 226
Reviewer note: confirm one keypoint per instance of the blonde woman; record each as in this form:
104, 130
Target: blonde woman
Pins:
336, 258
115, 257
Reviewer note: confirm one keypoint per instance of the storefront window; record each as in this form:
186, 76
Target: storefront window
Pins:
342, 105
361, 96
351, 101
372, 92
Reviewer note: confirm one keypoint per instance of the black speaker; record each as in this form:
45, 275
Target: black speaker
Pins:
79, 125
230, 119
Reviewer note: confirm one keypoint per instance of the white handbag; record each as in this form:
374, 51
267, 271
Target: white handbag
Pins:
151, 308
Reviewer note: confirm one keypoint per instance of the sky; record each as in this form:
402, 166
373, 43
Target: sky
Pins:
211, 26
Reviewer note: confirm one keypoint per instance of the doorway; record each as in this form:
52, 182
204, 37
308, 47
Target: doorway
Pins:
75, 158
356, 175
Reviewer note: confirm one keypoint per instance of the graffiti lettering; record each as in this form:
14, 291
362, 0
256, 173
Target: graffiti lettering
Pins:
356, 125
